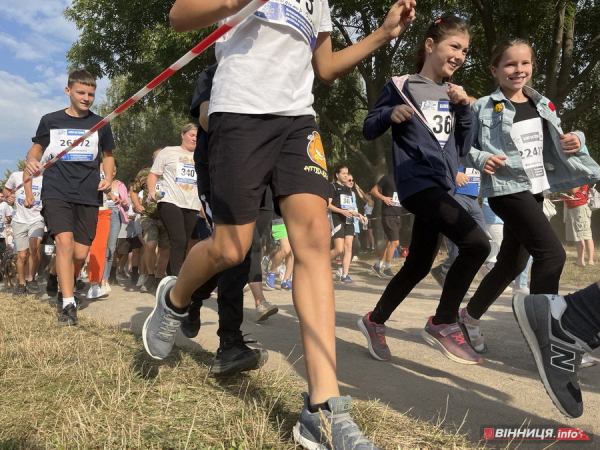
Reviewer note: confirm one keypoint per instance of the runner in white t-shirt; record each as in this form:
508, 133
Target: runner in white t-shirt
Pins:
178, 208
28, 230
262, 125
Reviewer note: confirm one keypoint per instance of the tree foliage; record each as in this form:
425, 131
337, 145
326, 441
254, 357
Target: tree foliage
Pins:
133, 40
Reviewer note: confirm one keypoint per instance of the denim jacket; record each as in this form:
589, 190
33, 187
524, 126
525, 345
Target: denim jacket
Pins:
494, 116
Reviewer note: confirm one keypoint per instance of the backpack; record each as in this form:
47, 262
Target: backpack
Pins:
593, 198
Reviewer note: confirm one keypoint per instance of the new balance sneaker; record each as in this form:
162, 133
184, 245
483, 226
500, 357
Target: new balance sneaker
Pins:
450, 340
375, 334
265, 310
161, 325
20, 291
436, 273
52, 285
33, 288
96, 291
68, 315
286, 285
270, 281
328, 430
141, 280
190, 325
471, 331
387, 272
377, 269
347, 280
557, 353
234, 356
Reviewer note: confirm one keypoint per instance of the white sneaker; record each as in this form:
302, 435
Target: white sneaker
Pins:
107, 288
141, 280
96, 291
520, 290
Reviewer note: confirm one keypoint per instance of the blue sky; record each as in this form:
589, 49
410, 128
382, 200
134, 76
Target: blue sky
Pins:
34, 40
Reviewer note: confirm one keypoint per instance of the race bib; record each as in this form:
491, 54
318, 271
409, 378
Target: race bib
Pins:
345, 201
61, 139
37, 193
438, 116
185, 174
474, 175
301, 15
528, 136
395, 199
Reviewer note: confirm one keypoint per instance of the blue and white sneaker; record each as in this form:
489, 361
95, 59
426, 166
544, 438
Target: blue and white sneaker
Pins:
286, 285
270, 281
347, 280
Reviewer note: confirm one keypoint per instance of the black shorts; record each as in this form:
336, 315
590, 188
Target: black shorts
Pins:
126, 245
247, 152
391, 227
62, 217
370, 219
341, 229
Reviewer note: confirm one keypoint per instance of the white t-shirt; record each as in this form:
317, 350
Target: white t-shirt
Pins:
178, 170
22, 214
5, 211
265, 63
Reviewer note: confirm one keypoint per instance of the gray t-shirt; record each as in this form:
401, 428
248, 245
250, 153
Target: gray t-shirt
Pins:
433, 101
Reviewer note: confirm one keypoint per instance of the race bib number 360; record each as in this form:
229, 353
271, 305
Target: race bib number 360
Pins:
345, 201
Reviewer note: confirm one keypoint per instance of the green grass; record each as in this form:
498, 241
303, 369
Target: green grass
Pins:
93, 386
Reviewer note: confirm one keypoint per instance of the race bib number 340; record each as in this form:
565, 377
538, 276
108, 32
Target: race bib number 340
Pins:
185, 173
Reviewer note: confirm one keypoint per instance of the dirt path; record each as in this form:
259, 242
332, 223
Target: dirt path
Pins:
420, 381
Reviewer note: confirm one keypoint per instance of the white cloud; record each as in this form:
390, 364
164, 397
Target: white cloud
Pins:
43, 17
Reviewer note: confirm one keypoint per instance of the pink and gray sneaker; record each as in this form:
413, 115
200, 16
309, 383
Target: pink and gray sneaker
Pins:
471, 331
375, 334
450, 340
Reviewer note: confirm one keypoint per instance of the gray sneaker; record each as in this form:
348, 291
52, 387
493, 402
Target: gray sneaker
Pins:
265, 310
450, 340
557, 352
161, 325
330, 430
437, 274
375, 334
388, 272
377, 269
33, 288
20, 291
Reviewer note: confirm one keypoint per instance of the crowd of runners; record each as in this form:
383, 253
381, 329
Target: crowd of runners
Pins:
183, 228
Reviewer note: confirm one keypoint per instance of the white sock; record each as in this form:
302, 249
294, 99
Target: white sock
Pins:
388, 265
68, 301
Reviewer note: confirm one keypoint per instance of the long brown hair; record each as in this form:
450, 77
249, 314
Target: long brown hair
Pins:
499, 50
440, 29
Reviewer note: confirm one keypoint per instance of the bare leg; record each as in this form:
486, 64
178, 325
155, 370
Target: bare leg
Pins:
21, 265
309, 234
580, 247
589, 250
347, 258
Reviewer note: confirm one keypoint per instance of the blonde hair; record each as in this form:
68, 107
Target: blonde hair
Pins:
188, 127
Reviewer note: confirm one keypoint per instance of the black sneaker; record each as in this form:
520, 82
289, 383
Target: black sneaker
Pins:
112, 280
557, 353
33, 288
235, 356
52, 285
80, 285
150, 284
377, 269
68, 315
190, 325
20, 291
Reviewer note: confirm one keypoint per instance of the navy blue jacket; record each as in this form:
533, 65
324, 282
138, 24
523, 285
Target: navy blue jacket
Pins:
419, 160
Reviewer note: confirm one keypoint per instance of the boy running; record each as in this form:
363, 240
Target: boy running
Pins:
72, 190
262, 124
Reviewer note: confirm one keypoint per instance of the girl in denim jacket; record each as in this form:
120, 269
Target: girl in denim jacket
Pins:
431, 123
521, 151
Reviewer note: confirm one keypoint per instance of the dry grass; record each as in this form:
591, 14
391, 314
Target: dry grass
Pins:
93, 387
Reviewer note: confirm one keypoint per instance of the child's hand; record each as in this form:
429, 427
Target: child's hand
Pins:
457, 95
402, 113
401, 14
570, 143
493, 163
461, 179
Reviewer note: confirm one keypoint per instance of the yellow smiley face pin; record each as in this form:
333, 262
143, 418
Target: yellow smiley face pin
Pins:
498, 108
